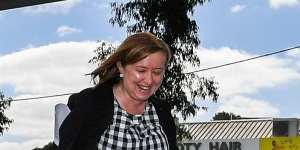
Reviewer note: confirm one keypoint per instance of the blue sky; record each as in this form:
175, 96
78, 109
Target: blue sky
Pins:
256, 27
32, 25
45, 50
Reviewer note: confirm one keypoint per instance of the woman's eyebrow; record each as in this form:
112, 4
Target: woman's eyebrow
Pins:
141, 67
144, 67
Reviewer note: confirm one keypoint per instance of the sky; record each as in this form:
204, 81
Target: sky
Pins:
45, 50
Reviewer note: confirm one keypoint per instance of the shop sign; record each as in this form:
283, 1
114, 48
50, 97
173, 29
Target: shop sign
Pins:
251, 144
280, 143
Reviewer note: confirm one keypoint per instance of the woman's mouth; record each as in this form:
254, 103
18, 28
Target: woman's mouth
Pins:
144, 88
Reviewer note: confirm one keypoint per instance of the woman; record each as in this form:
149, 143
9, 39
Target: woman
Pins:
120, 112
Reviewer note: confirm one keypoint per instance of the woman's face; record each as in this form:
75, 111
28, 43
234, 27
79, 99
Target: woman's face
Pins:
144, 77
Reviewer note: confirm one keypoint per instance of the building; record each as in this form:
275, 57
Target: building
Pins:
246, 134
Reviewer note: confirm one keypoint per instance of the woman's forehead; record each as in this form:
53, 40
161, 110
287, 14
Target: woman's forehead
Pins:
155, 60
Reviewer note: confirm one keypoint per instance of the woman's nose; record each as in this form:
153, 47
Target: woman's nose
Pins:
148, 78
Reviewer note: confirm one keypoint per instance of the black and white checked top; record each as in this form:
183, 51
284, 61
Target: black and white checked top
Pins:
134, 132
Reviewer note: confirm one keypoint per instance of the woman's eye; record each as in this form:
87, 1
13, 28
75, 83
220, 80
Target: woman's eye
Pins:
157, 72
141, 71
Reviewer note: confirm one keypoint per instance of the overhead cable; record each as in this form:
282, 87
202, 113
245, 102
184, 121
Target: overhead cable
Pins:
200, 70
240, 61
39, 97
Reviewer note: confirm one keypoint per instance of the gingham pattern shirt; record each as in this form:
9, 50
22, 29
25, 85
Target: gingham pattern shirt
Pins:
134, 132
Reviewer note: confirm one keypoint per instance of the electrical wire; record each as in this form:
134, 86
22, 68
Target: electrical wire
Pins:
38, 97
244, 60
200, 70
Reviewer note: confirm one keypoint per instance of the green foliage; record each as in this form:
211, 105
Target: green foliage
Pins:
102, 52
171, 21
226, 116
49, 146
182, 133
4, 121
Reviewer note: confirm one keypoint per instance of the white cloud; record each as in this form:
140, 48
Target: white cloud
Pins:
282, 3
66, 30
53, 8
294, 53
247, 107
33, 119
48, 69
247, 77
28, 145
237, 8
60, 68
51, 69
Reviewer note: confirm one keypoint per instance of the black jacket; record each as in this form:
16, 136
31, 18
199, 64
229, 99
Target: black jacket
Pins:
92, 112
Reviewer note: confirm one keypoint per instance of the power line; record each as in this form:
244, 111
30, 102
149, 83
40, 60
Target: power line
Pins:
209, 68
39, 97
240, 61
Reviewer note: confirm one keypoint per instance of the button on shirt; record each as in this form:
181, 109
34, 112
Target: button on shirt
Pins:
134, 132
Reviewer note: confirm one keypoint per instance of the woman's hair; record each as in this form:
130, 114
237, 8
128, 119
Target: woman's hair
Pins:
133, 49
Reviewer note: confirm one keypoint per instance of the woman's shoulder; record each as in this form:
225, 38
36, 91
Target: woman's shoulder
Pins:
91, 96
80, 98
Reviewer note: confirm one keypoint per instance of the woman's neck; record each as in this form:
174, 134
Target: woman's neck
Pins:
127, 103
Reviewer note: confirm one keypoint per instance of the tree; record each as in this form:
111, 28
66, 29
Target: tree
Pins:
226, 116
49, 146
4, 121
171, 21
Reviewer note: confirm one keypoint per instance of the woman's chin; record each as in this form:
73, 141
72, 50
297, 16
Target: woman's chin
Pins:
143, 97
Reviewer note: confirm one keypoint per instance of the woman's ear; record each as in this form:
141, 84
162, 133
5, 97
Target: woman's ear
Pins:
120, 67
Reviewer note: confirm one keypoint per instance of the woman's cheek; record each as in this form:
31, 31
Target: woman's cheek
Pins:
137, 76
159, 79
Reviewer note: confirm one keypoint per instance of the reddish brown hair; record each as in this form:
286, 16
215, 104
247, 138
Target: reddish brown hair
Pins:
133, 49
